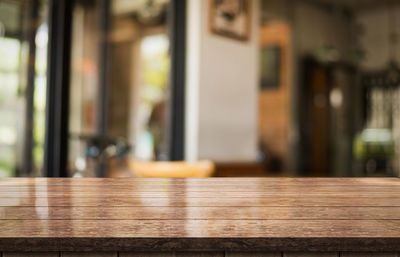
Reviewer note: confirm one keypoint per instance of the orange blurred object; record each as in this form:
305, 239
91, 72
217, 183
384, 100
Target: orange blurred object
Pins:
197, 169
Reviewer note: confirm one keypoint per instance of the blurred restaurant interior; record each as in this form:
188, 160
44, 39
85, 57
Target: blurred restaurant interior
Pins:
181, 88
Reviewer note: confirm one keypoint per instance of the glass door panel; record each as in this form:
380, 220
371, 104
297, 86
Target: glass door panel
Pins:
23, 66
119, 85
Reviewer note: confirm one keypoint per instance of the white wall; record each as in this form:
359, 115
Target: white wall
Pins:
221, 111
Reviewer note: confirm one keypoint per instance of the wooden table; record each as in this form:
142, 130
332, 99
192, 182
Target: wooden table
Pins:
200, 217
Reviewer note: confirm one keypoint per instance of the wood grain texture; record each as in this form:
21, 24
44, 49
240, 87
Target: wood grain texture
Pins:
199, 213
30, 254
22, 189
214, 214
367, 229
275, 201
89, 254
198, 181
147, 254
223, 194
254, 254
305, 254
366, 254
199, 254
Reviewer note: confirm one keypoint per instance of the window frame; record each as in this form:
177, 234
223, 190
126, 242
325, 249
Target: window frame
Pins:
58, 78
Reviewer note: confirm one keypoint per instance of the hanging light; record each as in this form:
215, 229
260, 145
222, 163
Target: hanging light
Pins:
150, 12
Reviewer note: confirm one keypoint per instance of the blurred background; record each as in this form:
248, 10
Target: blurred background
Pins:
116, 88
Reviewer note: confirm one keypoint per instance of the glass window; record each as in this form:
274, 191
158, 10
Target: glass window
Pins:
119, 85
23, 61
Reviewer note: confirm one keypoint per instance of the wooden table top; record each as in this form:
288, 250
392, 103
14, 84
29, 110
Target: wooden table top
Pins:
64, 214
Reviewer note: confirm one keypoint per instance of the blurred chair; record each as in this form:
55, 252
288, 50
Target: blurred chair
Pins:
161, 169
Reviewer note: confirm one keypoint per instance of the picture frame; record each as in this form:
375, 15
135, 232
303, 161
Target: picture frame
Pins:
270, 67
230, 18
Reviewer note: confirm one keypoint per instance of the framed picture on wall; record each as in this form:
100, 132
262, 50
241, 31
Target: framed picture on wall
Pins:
230, 18
270, 67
